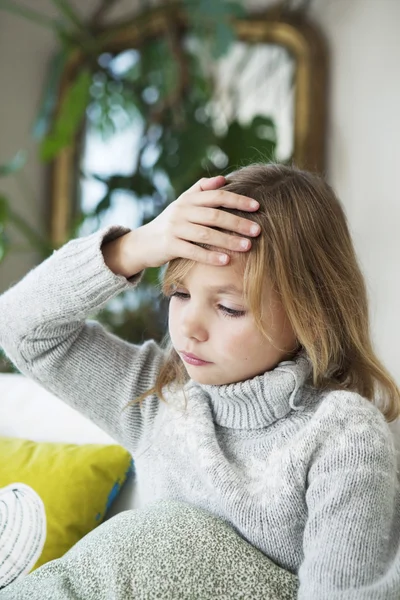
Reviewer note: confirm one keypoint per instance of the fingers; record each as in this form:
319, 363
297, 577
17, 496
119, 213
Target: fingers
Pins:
198, 254
195, 219
206, 184
217, 198
204, 235
212, 217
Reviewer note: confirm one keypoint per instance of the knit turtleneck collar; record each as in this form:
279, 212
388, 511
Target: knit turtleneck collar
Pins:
262, 400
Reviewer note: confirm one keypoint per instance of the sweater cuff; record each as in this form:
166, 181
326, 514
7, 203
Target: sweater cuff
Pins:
85, 266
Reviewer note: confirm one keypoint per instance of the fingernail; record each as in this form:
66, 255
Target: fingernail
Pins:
245, 244
254, 204
255, 229
223, 258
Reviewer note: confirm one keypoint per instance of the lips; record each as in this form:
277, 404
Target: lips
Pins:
192, 359
190, 355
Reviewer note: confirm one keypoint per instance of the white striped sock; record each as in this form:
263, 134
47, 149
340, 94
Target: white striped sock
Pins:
22, 531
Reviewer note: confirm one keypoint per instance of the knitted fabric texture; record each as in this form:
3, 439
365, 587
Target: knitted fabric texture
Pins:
307, 477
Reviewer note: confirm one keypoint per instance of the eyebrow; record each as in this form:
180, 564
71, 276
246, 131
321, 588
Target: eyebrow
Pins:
224, 289
231, 288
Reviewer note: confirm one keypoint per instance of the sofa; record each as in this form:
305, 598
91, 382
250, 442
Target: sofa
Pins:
28, 411
148, 547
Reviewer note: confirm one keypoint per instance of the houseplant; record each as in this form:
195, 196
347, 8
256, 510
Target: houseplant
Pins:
169, 89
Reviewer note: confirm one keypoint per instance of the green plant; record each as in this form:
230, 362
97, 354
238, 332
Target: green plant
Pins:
167, 90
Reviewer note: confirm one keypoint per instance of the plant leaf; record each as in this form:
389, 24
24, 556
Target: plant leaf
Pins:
214, 9
4, 211
104, 203
28, 13
14, 165
4, 244
151, 276
212, 20
43, 120
225, 35
244, 144
70, 116
68, 11
183, 150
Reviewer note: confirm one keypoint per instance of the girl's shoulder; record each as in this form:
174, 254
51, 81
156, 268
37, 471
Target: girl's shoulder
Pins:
345, 429
343, 413
344, 404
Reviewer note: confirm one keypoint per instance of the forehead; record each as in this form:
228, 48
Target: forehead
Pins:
228, 278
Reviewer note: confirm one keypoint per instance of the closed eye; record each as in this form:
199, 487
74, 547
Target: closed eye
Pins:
227, 312
230, 312
179, 295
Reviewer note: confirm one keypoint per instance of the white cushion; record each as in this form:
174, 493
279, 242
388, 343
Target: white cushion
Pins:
30, 412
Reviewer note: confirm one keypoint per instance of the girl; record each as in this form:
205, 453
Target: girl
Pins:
269, 407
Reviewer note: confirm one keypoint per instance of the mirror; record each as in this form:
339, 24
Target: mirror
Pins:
267, 100
249, 72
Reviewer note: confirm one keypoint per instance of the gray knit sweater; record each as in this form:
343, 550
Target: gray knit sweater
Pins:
309, 478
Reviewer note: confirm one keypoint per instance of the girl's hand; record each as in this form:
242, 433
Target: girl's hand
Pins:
190, 218
186, 220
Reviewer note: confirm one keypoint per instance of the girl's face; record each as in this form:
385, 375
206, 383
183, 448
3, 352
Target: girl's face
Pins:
214, 333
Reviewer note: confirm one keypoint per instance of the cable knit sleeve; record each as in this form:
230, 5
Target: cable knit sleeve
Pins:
44, 331
353, 506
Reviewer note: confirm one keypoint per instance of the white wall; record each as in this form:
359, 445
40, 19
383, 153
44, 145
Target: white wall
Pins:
363, 137
24, 53
364, 148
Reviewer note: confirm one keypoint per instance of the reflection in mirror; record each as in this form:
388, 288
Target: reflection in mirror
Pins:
163, 112
251, 101
258, 80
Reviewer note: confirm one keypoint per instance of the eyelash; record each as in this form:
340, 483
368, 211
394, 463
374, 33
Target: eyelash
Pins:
227, 312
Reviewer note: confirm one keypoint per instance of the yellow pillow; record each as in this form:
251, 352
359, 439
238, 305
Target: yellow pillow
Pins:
76, 483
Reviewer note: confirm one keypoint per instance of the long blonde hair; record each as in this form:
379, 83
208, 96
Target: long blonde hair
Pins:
305, 251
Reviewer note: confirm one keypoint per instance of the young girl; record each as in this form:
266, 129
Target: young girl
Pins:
269, 407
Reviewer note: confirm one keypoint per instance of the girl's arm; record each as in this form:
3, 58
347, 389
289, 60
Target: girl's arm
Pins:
351, 539
44, 332
43, 327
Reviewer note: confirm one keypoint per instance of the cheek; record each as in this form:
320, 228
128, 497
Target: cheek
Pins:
237, 337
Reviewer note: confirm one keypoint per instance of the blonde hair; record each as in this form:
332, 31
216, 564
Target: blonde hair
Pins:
305, 251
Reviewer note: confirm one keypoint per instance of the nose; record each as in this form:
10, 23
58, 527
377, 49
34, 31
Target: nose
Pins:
193, 324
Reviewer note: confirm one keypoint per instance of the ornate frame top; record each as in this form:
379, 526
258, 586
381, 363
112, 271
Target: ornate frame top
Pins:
302, 40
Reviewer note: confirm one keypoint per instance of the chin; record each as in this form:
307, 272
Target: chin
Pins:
207, 379
204, 378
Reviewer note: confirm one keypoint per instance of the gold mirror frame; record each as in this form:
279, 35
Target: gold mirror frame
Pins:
303, 41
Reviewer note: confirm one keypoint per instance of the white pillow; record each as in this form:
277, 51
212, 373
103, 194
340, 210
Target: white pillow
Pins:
23, 531
29, 411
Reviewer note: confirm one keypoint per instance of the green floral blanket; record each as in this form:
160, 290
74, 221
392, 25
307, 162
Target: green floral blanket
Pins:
167, 551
